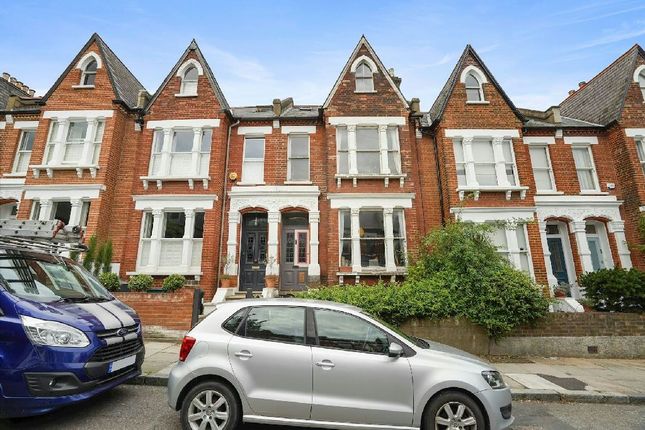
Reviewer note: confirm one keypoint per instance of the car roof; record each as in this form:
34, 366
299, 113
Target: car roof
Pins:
289, 302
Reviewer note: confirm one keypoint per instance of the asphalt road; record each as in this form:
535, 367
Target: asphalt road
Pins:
138, 407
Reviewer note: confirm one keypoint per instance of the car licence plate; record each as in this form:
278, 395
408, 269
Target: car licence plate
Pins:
123, 363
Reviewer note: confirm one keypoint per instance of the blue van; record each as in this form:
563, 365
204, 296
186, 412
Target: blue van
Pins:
63, 337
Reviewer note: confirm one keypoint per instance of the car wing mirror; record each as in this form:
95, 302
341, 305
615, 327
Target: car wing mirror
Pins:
395, 350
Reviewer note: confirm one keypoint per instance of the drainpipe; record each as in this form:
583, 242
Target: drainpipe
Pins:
224, 194
433, 134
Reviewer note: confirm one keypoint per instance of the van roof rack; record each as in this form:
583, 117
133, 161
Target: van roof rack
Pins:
53, 236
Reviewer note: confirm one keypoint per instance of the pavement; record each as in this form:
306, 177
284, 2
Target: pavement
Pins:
589, 380
130, 407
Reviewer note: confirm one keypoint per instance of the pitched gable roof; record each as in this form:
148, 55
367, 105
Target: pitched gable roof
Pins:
193, 47
439, 106
125, 85
363, 42
601, 100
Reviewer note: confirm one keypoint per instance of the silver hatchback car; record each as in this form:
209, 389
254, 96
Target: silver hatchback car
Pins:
321, 364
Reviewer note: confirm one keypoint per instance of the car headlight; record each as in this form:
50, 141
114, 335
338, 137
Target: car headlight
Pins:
494, 379
52, 333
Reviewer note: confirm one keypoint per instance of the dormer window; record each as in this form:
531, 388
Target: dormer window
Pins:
364, 79
474, 80
474, 91
189, 81
89, 73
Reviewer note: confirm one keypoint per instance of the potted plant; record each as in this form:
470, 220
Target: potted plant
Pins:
560, 292
587, 304
227, 280
271, 281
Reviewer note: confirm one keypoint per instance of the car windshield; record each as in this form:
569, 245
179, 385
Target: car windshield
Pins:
47, 278
415, 340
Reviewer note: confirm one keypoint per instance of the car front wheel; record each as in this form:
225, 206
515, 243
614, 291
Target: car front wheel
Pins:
210, 406
454, 410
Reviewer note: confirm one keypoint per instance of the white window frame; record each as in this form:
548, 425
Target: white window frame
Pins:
189, 86
352, 153
478, 87
290, 157
640, 151
639, 78
87, 73
181, 73
465, 138
512, 251
20, 153
364, 78
592, 168
296, 259
82, 66
544, 147
247, 163
480, 77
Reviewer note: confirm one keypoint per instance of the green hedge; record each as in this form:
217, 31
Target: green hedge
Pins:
615, 290
110, 281
457, 273
173, 282
140, 282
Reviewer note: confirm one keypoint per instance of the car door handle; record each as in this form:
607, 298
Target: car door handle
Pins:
243, 354
325, 364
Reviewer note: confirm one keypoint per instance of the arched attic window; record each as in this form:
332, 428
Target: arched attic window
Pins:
89, 73
189, 81
364, 78
473, 80
641, 83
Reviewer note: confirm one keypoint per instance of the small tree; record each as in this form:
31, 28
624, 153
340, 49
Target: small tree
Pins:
98, 260
107, 257
90, 254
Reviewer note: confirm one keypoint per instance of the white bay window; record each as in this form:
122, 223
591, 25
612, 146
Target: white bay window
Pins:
485, 162
512, 243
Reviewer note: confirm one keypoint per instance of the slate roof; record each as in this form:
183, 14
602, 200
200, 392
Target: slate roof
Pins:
602, 99
266, 112
538, 119
7, 89
207, 71
439, 106
125, 85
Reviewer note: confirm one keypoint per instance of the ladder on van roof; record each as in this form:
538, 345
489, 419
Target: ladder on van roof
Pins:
45, 236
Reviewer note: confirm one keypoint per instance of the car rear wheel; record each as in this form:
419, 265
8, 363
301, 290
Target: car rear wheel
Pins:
454, 410
210, 406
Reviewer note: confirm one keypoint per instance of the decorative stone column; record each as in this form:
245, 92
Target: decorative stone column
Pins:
59, 142
313, 270
356, 240
45, 210
75, 212
552, 280
500, 162
382, 140
513, 247
467, 145
390, 262
230, 265
88, 143
351, 147
579, 230
155, 242
197, 143
617, 228
164, 169
273, 265
187, 240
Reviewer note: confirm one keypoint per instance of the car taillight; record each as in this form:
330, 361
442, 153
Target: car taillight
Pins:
186, 345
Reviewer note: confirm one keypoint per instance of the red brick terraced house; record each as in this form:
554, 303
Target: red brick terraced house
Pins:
278, 197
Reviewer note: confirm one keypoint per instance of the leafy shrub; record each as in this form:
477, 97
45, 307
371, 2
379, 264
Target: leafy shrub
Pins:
106, 260
615, 290
458, 273
110, 281
88, 258
140, 282
174, 282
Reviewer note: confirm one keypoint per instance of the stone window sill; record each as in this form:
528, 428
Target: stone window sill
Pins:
482, 102
384, 177
161, 179
549, 193
162, 272
15, 175
365, 92
83, 87
476, 191
49, 169
185, 95
297, 183
594, 193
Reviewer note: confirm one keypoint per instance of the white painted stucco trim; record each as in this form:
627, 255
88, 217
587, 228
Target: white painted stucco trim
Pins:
63, 192
635, 132
370, 200
367, 120
308, 129
188, 63
254, 130
538, 140
2, 125
581, 140
493, 214
174, 201
482, 132
577, 208
21, 125
368, 60
188, 123
477, 71
66, 114
83, 61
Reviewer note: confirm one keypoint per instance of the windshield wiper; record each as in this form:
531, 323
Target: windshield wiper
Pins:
85, 299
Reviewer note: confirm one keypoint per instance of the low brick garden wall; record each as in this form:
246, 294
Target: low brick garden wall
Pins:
589, 334
171, 311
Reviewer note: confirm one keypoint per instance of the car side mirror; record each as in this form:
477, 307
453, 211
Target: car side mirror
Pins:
395, 350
